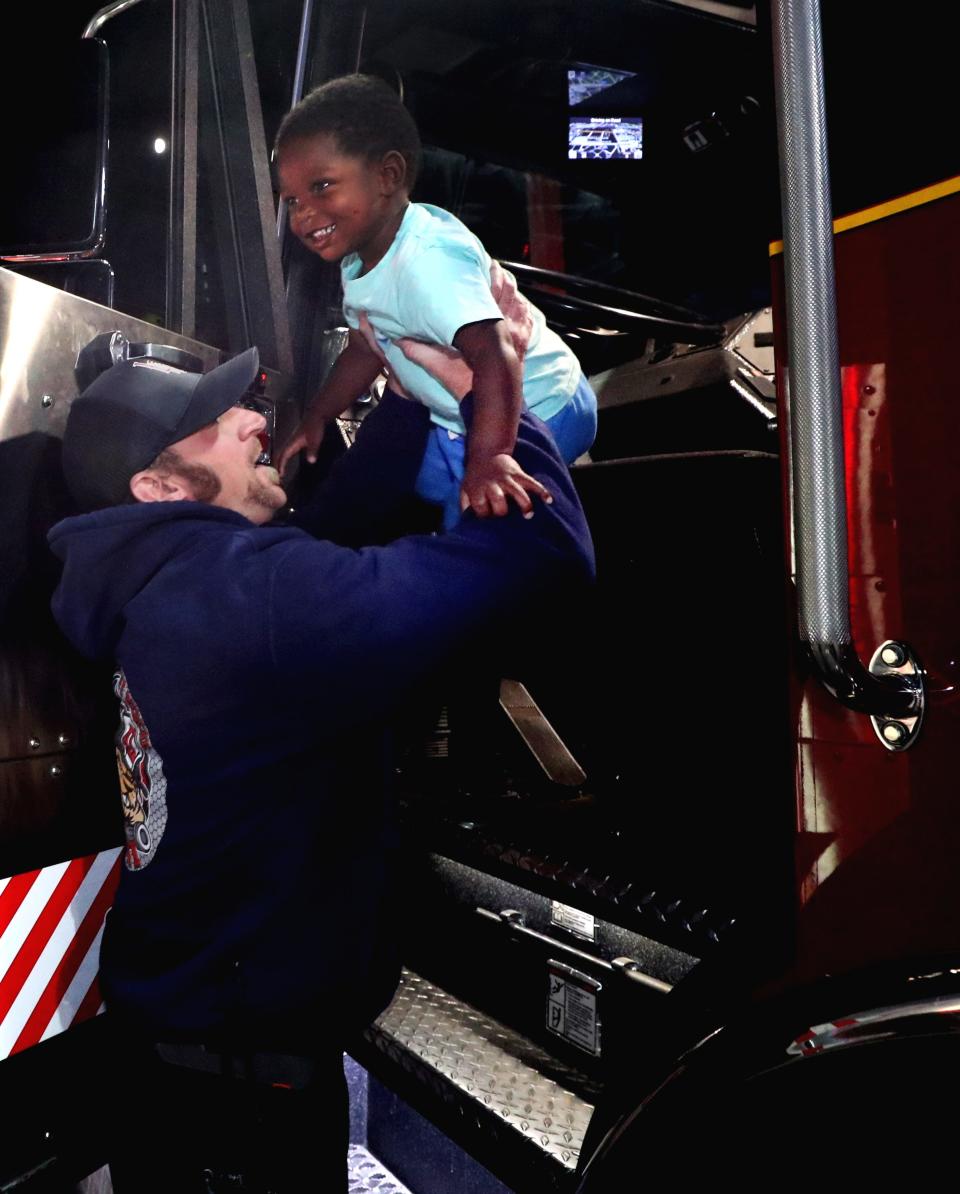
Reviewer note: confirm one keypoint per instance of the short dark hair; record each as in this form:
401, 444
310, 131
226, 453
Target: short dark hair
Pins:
363, 114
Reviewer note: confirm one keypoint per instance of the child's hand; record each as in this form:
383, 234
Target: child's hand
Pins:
488, 483
307, 437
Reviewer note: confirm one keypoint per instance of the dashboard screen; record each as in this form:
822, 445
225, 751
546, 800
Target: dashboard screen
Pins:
610, 137
586, 81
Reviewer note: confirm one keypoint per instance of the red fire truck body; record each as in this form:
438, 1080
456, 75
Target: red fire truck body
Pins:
866, 819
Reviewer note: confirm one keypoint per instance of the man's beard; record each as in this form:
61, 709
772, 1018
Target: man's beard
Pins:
205, 485
203, 481
262, 494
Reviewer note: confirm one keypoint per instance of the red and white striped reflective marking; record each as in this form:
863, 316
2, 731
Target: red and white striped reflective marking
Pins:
51, 922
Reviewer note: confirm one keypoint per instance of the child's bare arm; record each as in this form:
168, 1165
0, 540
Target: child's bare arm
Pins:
492, 476
354, 371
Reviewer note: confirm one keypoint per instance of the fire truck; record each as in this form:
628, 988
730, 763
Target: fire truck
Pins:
684, 902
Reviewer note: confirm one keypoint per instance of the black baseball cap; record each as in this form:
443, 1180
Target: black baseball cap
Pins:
126, 417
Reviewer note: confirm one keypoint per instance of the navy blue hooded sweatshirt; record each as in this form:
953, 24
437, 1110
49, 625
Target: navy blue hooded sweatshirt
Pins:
256, 665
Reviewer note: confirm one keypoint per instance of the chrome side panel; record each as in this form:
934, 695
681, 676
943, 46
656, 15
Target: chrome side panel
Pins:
41, 331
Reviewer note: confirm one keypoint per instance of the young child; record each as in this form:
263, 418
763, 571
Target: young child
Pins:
419, 298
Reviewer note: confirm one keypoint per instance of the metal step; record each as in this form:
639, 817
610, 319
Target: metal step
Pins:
501, 1096
368, 1176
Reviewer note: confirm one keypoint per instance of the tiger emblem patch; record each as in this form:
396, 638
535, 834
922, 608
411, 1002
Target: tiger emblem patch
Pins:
143, 786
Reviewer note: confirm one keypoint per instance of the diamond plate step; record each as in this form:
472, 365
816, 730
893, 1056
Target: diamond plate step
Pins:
368, 1176
501, 1087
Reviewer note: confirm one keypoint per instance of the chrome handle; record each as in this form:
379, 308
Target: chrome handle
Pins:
628, 967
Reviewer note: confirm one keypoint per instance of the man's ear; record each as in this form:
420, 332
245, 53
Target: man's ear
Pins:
393, 171
153, 486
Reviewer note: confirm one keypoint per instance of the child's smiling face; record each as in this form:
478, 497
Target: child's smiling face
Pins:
339, 204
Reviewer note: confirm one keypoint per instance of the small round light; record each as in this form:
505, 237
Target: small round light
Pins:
159, 145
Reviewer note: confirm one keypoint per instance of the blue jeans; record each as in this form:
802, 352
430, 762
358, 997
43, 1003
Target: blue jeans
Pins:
573, 427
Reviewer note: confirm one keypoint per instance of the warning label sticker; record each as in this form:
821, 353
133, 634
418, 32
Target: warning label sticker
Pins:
572, 1006
575, 921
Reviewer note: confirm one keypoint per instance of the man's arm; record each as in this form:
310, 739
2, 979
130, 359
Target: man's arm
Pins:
355, 370
352, 630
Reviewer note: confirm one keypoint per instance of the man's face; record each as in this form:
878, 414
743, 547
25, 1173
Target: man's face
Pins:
227, 451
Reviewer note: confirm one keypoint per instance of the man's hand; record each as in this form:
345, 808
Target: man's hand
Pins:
489, 483
307, 438
514, 307
446, 365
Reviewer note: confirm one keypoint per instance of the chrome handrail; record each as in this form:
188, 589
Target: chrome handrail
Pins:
102, 15
819, 498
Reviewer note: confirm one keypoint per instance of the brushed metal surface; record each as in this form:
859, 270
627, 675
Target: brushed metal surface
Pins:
41, 331
541, 739
478, 1060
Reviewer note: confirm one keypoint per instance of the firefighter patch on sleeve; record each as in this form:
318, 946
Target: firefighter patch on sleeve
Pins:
143, 786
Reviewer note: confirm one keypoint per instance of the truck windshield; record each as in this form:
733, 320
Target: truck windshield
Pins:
616, 142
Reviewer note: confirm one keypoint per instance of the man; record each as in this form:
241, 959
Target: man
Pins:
256, 664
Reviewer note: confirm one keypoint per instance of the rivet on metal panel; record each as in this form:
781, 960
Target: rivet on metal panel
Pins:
55, 771
34, 743
47, 400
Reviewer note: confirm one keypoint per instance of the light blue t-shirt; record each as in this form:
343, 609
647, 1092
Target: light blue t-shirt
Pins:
434, 279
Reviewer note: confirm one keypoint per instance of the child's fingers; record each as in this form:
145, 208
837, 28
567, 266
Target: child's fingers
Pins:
312, 439
532, 485
494, 499
475, 499
484, 501
288, 453
519, 495
497, 500
297, 444
488, 500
